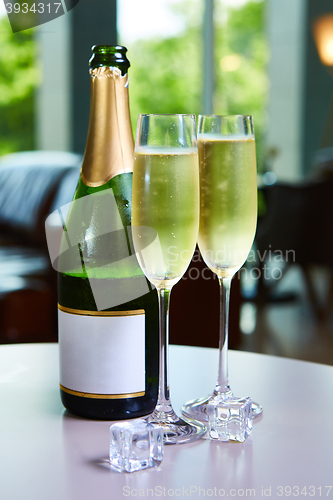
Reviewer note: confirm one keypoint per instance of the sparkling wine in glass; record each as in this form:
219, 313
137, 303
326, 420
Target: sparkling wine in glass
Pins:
228, 219
165, 221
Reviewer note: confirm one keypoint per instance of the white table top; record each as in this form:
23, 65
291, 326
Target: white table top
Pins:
47, 454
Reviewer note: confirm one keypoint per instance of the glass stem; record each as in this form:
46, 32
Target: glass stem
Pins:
163, 403
222, 386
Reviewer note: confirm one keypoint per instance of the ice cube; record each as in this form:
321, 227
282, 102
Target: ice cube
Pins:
230, 419
135, 445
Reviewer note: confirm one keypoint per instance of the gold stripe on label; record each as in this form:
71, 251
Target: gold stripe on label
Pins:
102, 396
80, 312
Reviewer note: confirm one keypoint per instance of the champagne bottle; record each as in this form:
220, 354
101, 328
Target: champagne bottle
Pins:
108, 311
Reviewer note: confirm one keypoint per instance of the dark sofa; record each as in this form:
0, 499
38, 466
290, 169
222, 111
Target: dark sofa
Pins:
32, 185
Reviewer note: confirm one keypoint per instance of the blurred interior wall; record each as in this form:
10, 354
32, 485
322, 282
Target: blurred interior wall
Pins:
63, 97
53, 100
300, 87
286, 36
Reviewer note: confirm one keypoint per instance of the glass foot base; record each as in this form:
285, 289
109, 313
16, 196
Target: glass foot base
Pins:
197, 408
177, 430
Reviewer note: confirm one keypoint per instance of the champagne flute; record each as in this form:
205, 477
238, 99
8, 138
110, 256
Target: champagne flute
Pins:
165, 222
228, 219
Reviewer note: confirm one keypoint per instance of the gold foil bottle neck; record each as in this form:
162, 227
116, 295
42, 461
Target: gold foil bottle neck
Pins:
110, 146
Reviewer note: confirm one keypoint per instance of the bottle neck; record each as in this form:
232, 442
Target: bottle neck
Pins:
110, 146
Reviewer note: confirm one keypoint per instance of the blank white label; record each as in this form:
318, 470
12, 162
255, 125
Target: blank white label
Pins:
102, 354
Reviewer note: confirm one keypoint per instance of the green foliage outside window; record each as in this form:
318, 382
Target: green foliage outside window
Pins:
18, 80
166, 74
241, 41
160, 80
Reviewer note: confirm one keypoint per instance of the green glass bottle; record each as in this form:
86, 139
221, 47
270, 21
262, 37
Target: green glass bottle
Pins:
108, 324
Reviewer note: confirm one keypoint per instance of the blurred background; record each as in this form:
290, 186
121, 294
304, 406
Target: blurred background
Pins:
272, 59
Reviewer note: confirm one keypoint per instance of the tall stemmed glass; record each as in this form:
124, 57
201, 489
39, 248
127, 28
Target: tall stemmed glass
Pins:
165, 221
228, 218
